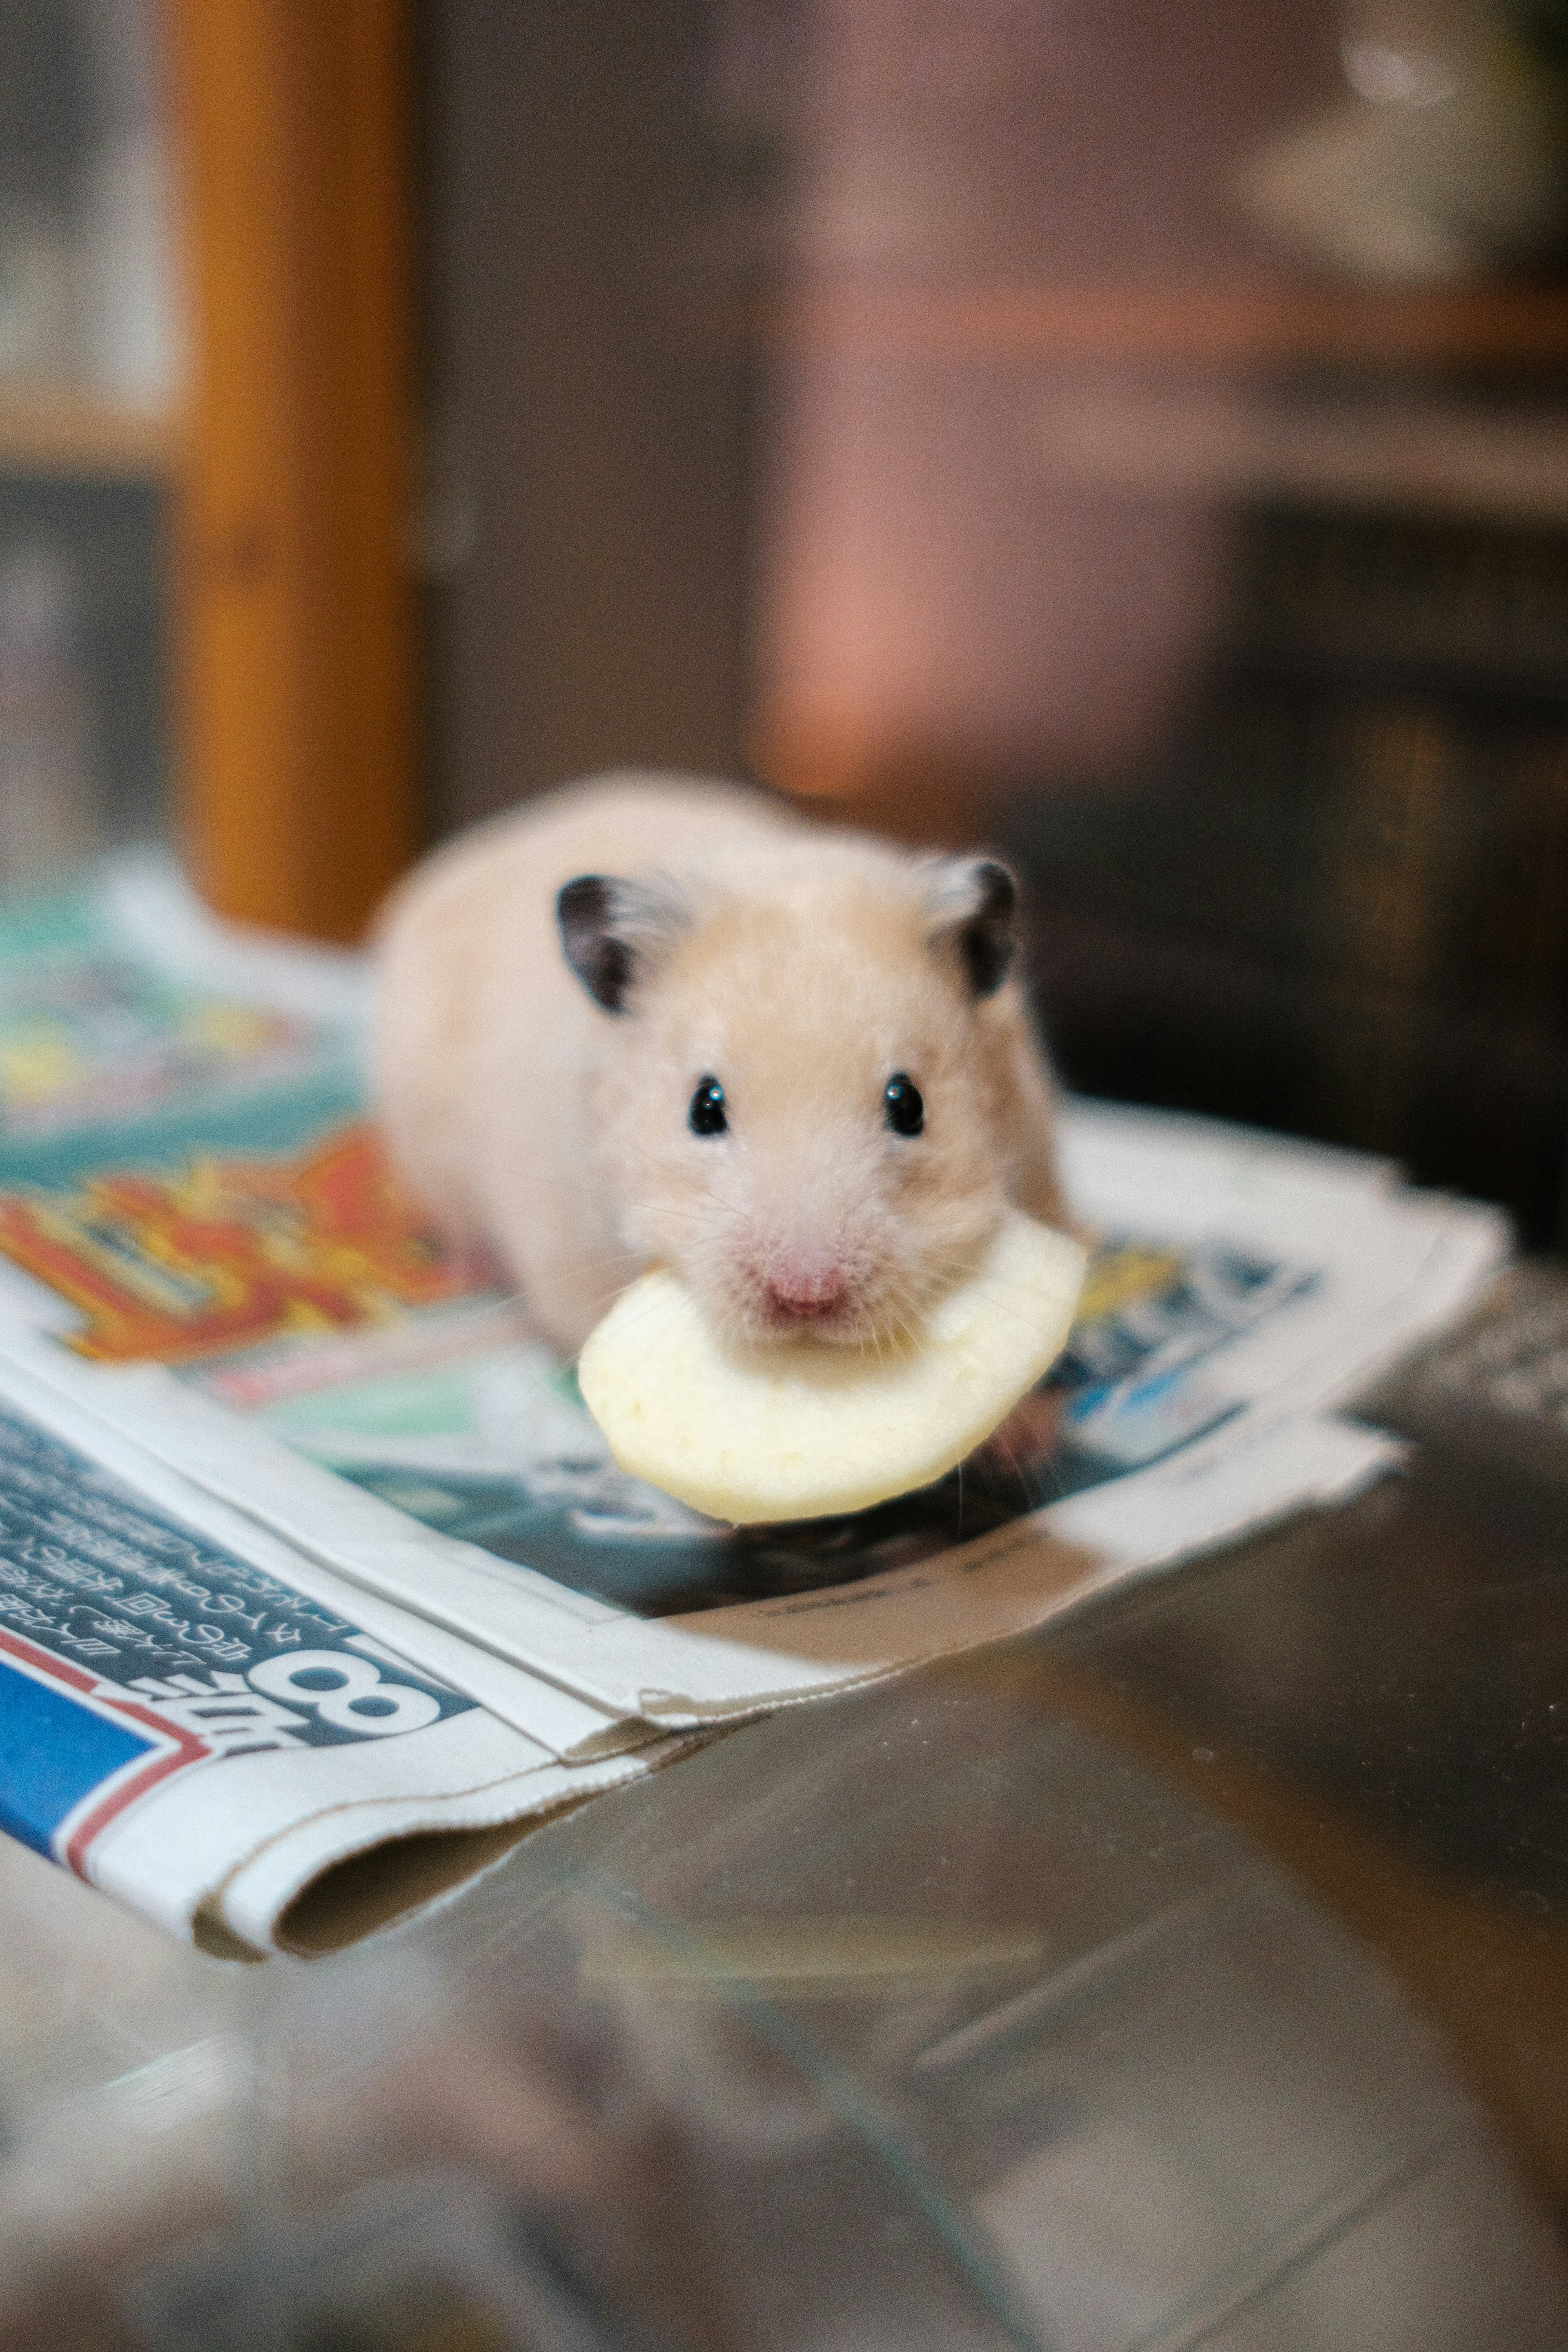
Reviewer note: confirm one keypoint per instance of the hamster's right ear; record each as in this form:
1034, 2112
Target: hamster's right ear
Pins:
974, 902
614, 931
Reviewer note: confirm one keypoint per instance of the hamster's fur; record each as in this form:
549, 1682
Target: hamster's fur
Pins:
538, 1048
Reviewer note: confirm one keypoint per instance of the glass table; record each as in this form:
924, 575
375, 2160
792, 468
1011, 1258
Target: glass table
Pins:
1195, 1973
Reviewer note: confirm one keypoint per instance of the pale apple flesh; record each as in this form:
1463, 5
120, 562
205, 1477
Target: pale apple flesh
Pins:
800, 1429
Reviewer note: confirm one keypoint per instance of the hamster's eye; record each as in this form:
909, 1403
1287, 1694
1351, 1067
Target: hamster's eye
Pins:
901, 1101
706, 1116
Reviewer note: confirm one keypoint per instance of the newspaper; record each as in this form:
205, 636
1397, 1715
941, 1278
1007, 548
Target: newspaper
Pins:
212, 1295
147, 1635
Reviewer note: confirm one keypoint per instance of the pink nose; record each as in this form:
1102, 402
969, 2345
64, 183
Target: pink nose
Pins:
806, 1284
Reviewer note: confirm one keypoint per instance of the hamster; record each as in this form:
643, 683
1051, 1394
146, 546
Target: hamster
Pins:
656, 1018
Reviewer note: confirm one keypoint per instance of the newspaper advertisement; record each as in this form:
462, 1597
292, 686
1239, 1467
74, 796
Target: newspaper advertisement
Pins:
208, 1277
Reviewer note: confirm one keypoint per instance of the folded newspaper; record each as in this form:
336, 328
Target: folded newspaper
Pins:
317, 1582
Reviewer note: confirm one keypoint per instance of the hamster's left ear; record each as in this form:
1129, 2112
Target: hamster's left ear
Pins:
974, 902
614, 931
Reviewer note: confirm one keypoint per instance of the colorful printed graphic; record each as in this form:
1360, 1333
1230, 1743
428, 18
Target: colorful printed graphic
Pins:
131, 1648
224, 1252
94, 1038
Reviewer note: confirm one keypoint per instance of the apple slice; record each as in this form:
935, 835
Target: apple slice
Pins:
800, 1428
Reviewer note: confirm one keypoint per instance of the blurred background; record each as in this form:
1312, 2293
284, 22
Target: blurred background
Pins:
1134, 438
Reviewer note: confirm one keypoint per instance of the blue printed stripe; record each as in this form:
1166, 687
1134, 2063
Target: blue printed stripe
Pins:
54, 1751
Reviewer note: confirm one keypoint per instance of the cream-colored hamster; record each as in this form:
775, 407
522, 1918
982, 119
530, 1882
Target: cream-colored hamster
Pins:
651, 1018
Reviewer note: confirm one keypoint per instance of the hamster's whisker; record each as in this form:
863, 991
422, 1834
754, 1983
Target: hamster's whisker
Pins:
662, 1208
616, 1258
581, 1188
1003, 1306
577, 1186
640, 1314
1009, 1452
669, 1172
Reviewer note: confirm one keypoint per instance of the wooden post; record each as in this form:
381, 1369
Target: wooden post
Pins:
294, 600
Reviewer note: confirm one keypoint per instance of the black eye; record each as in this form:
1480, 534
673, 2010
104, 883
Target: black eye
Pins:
901, 1101
706, 1116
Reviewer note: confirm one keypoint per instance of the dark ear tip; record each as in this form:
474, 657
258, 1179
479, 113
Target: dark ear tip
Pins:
584, 910
998, 885
989, 941
585, 899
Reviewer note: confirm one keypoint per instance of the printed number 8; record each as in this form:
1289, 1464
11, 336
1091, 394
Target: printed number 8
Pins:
354, 1700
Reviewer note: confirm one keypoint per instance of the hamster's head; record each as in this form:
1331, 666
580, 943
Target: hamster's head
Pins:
804, 1105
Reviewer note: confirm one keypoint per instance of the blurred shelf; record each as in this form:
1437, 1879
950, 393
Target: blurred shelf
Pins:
58, 432
1474, 460
1205, 325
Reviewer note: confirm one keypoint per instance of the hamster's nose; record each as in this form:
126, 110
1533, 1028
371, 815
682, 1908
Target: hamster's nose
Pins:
805, 1284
